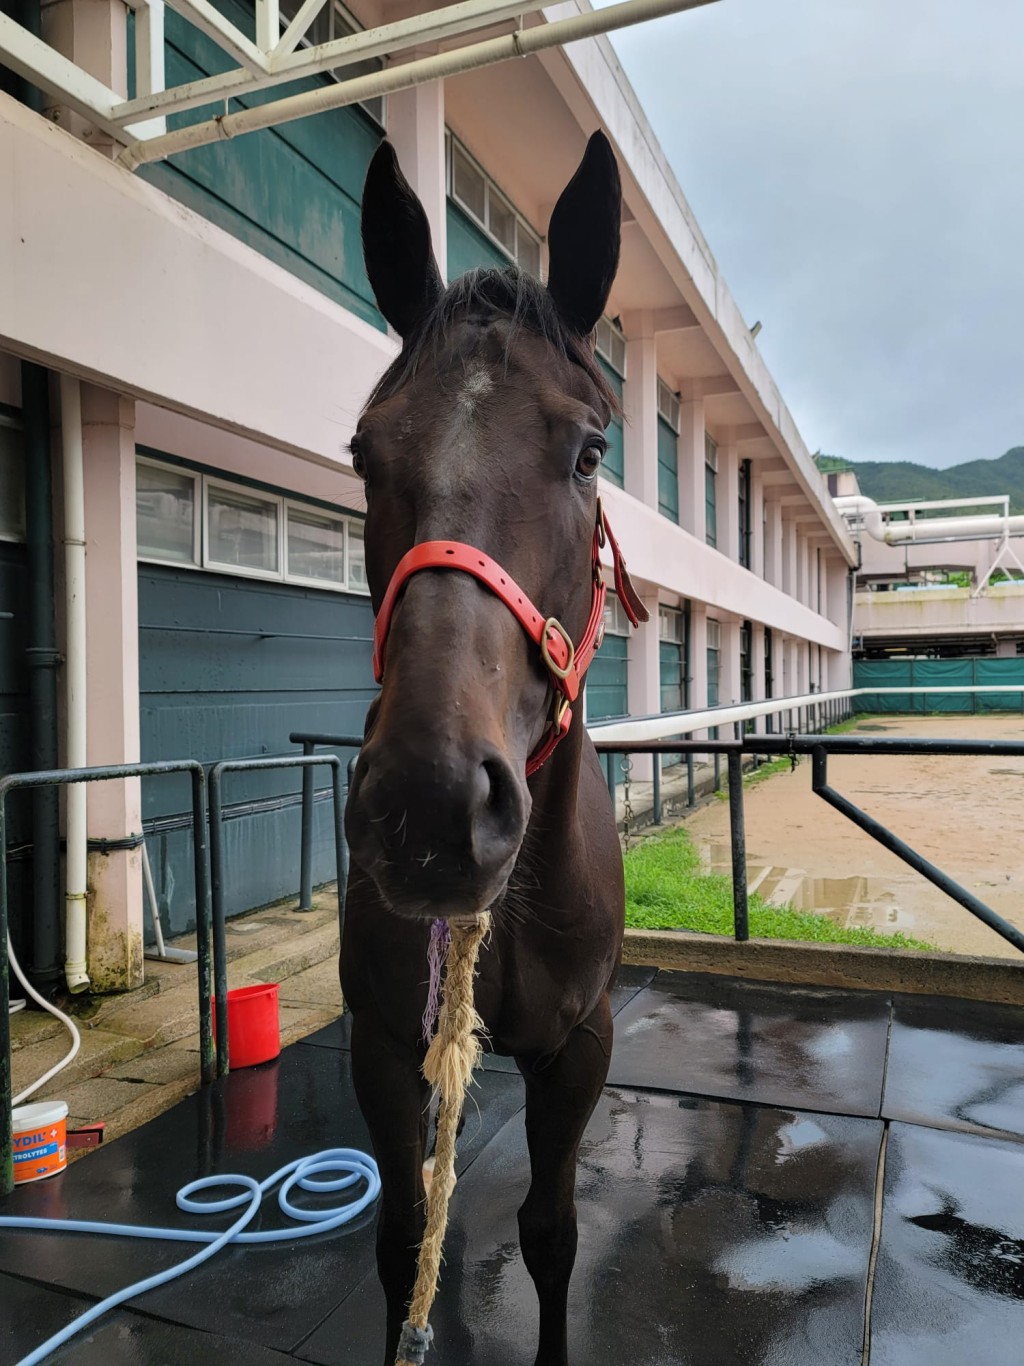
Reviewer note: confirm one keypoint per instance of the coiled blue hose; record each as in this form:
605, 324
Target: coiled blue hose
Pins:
305, 1172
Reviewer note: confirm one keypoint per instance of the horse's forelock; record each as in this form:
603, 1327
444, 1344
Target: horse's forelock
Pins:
491, 293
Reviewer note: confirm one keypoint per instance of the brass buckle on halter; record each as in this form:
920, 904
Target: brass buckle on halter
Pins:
561, 707
602, 530
553, 624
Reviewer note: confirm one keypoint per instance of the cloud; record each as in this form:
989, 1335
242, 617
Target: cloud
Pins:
858, 171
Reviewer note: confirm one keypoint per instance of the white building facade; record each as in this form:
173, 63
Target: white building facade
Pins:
212, 316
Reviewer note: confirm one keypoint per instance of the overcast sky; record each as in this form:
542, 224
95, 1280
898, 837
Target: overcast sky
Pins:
857, 167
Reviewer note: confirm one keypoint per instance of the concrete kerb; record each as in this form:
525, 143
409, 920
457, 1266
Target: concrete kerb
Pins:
830, 965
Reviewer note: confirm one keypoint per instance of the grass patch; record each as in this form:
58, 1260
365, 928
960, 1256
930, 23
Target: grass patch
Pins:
666, 890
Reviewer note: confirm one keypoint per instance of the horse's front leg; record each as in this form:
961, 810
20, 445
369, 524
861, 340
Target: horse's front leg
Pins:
560, 1099
394, 1100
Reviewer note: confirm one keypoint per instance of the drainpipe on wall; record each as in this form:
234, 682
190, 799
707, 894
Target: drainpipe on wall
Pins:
43, 661
76, 863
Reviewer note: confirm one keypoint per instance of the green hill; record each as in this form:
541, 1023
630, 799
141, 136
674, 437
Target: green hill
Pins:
899, 481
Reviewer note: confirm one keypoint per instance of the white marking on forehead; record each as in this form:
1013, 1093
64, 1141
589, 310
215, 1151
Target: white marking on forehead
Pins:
477, 385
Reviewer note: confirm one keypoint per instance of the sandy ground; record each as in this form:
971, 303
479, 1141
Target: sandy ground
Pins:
965, 815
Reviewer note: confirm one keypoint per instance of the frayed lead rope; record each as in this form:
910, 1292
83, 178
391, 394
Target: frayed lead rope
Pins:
437, 952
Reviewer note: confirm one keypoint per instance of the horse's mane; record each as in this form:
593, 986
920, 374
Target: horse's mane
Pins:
499, 293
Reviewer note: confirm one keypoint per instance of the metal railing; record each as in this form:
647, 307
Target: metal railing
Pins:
819, 747
307, 762
60, 777
309, 740
208, 814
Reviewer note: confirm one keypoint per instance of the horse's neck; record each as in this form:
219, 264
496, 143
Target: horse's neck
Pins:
554, 820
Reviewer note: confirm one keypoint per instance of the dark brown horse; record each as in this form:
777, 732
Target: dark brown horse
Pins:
488, 431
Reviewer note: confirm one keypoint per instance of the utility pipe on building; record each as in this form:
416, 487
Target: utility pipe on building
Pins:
438, 66
981, 527
77, 857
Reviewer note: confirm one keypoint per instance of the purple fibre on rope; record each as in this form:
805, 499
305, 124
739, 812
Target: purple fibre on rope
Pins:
437, 951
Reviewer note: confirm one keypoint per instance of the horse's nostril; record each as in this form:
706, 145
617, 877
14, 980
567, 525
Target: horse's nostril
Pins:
503, 805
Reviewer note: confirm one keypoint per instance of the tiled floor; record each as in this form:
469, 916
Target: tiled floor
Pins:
753, 1144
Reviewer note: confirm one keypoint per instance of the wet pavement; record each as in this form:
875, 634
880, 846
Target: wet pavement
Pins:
758, 1149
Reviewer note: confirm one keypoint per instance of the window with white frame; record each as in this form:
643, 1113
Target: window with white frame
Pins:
670, 625
184, 517
474, 190
334, 21
611, 344
12, 478
668, 405
616, 623
710, 491
713, 662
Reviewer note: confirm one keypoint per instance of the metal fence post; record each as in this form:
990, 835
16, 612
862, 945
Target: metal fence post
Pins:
656, 795
738, 843
204, 916
220, 952
691, 791
306, 854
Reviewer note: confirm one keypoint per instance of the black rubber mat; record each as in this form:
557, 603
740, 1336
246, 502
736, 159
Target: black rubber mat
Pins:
253, 1121
806, 1047
949, 1284
710, 1233
957, 1069
32, 1313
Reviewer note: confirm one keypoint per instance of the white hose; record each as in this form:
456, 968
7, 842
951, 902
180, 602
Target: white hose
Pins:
69, 1024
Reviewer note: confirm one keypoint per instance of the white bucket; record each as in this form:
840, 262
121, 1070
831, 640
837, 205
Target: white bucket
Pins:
40, 1140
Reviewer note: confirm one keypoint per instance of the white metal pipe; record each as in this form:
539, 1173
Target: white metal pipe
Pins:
367, 44
437, 67
666, 725
76, 861
946, 528
952, 528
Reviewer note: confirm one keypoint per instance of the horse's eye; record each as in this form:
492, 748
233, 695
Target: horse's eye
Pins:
588, 461
358, 460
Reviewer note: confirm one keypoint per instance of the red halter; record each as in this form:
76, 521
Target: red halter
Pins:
566, 663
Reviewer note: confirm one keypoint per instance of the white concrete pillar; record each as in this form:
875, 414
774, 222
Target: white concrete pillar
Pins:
640, 410
803, 567
94, 35
112, 655
691, 468
728, 502
644, 678
773, 558
790, 559
416, 130
837, 590
757, 525
729, 675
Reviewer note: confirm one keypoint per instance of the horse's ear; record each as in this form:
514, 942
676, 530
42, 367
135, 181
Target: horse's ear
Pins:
396, 245
583, 238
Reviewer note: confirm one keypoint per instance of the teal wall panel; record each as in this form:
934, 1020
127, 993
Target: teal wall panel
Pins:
614, 464
469, 247
672, 680
668, 471
228, 668
293, 192
607, 680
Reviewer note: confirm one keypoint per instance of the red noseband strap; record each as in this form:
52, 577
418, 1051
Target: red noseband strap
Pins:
566, 663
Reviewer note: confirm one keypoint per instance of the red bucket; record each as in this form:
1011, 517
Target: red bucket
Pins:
254, 1033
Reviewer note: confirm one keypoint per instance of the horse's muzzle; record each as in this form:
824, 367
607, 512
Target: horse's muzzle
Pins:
439, 833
